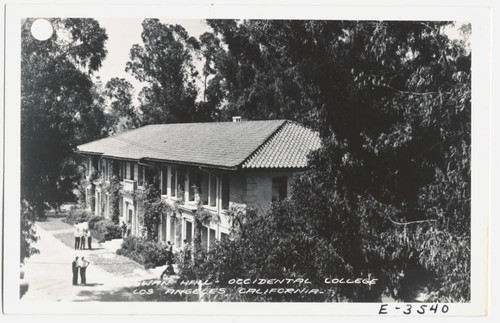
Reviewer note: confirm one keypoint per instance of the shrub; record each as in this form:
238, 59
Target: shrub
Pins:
113, 231
146, 252
77, 215
103, 229
98, 230
95, 219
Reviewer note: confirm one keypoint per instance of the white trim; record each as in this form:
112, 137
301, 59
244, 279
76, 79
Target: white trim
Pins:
186, 186
169, 180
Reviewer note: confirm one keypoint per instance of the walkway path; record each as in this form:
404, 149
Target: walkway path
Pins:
50, 277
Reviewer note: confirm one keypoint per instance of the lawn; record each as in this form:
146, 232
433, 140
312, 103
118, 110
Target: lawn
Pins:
115, 264
67, 238
108, 261
53, 224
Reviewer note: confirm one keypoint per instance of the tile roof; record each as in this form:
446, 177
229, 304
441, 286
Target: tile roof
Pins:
216, 144
287, 148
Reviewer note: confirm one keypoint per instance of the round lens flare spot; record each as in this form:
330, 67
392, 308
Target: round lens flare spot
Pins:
42, 29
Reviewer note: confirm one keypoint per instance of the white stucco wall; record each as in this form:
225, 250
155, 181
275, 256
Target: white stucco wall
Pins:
259, 185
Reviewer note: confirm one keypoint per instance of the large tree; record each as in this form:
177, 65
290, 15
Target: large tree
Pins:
209, 108
59, 108
165, 63
256, 75
122, 114
388, 194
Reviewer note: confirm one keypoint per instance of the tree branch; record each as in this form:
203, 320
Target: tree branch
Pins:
410, 222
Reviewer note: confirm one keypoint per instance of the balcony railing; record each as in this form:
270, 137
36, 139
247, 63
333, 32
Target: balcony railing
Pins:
129, 185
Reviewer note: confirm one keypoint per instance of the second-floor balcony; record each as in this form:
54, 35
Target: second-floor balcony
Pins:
129, 185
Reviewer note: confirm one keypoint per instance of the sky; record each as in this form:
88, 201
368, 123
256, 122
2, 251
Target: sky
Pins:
122, 34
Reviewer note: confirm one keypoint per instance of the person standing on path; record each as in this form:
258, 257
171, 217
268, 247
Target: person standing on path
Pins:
79, 265
83, 270
124, 229
170, 252
82, 239
75, 271
76, 234
89, 239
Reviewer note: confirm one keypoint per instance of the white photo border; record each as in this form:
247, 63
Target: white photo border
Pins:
478, 15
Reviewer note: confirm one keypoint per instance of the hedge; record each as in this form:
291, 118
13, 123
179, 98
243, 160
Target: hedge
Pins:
77, 215
148, 253
103, 229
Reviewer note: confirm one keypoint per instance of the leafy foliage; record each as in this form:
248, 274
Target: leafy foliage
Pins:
154, 208
165, 62
113, 189
122, 115
103, 229
94, 176
58, 107
28, 234
94, 220
82, 192
388, 194
77, 215
147, 252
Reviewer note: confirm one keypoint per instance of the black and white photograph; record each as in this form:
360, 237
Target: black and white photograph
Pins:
248, 160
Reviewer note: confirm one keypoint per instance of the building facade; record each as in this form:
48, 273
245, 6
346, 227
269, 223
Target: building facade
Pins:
218, 167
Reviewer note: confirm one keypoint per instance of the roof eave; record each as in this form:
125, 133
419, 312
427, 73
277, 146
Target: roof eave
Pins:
189, 163
83, 152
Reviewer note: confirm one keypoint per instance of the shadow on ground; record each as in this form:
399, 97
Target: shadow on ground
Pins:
92, 285
130, 294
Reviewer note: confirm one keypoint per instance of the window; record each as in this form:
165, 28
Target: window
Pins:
173, 223
223, 236
115, 165
106, 212
204, 237
120, 170
98, 204
155, 174
198, 186
212, 190
279, 189
164, 179
163, 227
188, 233
132, 168
181, 181
173, 182
194, 184
140, 181
105, 169
211, 237
225, 192
204, 188
95, 163
123, 170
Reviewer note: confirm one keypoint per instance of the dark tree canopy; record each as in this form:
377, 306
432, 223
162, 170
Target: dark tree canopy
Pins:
122, 114
388, 194
58, 107
165, 62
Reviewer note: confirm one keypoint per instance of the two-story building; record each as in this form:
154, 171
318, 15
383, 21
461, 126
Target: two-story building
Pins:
219, 163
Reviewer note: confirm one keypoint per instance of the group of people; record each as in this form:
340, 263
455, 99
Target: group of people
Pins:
82, 235
80, 266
